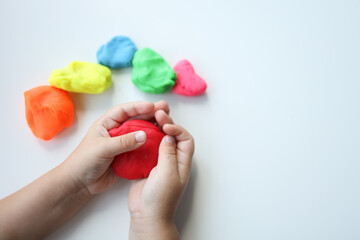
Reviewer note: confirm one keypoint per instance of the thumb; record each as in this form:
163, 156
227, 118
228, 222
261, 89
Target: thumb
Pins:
167, 161
124, 143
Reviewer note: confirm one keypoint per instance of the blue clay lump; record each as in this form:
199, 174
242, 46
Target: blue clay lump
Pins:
117, 53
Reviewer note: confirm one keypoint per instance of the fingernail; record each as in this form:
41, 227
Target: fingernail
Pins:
169, 139
140, 136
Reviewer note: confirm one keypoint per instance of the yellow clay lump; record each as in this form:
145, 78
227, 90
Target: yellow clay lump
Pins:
82, 77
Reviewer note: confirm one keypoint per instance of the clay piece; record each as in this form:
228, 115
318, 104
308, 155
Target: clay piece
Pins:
117, 53
188, 83
138, 163
151, 73
48, 111
82, 77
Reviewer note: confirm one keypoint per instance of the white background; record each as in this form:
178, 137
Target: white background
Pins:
277, 133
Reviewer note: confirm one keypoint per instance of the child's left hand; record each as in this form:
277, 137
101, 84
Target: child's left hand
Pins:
90, 164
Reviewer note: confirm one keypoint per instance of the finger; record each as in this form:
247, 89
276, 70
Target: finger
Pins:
118, 114
185, 148
161, 105
163, 118
124, 143
167, 156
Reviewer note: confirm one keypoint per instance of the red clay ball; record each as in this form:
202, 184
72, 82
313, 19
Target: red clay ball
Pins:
138, 163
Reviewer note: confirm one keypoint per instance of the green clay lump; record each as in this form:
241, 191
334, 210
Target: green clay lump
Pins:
151, 73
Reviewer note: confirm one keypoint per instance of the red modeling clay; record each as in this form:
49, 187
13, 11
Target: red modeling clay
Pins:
188, 83
48, 110
139, 162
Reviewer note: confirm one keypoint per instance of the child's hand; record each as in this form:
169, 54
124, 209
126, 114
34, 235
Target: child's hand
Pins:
153, 201
51, 200
90, 164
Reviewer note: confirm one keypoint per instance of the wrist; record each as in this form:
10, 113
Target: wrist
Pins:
150, 228
69, 184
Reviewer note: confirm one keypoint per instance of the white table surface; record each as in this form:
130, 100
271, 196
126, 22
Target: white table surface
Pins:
277, 133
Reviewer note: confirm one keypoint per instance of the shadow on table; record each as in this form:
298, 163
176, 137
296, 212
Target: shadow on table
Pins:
174, 99
87, 102
184, 210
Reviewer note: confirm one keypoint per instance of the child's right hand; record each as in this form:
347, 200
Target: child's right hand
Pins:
153, 201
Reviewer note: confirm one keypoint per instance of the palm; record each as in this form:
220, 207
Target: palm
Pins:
103, 182
135, 193
142, 191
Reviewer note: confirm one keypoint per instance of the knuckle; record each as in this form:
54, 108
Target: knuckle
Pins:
170, 156
125, 141
170, 151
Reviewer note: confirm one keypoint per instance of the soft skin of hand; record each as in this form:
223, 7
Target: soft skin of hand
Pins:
153, 201
90, 163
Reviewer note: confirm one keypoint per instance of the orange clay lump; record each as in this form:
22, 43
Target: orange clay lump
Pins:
48, 111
